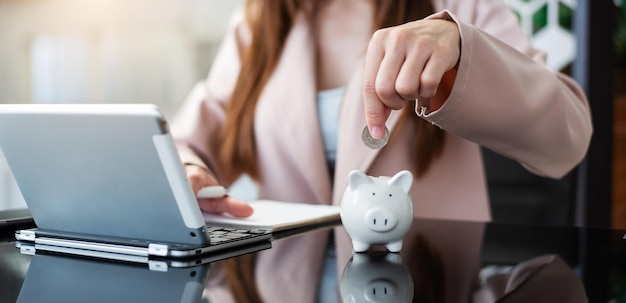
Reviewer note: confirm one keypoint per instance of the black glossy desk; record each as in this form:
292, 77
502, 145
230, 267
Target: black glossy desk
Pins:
442, 261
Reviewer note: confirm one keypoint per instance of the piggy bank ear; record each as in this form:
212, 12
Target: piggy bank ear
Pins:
403, 179
356, 178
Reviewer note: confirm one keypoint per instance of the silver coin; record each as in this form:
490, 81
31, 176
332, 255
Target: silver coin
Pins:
372, 143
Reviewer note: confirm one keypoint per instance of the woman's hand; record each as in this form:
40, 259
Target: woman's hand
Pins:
406, 62
198, 178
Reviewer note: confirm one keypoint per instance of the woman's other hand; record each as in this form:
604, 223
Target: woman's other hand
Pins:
199, 177
406, 62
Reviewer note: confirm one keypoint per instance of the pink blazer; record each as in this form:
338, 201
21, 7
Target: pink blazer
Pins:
504, 98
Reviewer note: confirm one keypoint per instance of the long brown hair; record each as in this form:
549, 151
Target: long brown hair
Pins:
269, 23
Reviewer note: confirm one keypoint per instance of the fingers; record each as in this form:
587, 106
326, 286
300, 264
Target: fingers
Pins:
376, 112
200, 177
432, 74
227, 205
408, 81
386, 86
404, 63
386, 80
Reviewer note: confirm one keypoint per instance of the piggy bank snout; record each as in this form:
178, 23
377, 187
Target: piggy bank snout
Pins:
381, 290
380, 219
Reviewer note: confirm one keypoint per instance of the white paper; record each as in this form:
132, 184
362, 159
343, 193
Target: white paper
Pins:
277, 215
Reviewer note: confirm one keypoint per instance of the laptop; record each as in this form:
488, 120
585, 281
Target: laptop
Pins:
107, 177
151, 263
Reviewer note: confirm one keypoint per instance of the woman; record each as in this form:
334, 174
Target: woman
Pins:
287, 68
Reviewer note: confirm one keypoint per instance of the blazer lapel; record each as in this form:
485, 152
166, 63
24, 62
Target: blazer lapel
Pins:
294, 80
291, 98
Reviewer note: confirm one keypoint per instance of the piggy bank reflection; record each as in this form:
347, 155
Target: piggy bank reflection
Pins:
377, 210
376, 277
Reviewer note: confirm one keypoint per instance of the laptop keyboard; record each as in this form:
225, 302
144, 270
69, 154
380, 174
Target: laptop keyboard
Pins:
221, 235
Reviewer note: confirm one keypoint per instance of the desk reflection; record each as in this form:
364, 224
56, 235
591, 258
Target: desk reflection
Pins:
441, 261
376, 277
55, 278
445, 263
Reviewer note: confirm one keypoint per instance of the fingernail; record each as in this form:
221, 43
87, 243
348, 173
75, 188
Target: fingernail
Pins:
377, 132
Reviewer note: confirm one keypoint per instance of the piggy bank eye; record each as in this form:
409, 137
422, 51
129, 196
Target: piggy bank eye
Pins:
390, 195
373, 194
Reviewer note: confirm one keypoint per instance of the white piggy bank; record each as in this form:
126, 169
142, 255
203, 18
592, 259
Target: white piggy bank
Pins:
377, 210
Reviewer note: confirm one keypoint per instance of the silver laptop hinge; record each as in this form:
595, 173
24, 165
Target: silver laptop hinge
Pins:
27, 250
157, 249
26, 235
157, 265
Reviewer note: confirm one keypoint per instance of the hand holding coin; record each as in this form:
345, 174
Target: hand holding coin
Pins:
372, 143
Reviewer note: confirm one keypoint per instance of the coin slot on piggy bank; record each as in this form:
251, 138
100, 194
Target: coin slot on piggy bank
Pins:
377, 210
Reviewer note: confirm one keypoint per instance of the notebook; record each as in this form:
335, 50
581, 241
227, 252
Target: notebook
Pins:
107, 177
280, 216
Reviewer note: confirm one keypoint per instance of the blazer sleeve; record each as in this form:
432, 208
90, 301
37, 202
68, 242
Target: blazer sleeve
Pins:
506, 99
196, 125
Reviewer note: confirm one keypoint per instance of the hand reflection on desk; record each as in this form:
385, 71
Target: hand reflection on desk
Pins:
544, 278
442, 265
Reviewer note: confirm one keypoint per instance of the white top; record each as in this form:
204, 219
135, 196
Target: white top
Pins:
328, 104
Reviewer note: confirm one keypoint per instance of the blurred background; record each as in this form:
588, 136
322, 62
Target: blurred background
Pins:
104, 51
55, 51
154, 51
